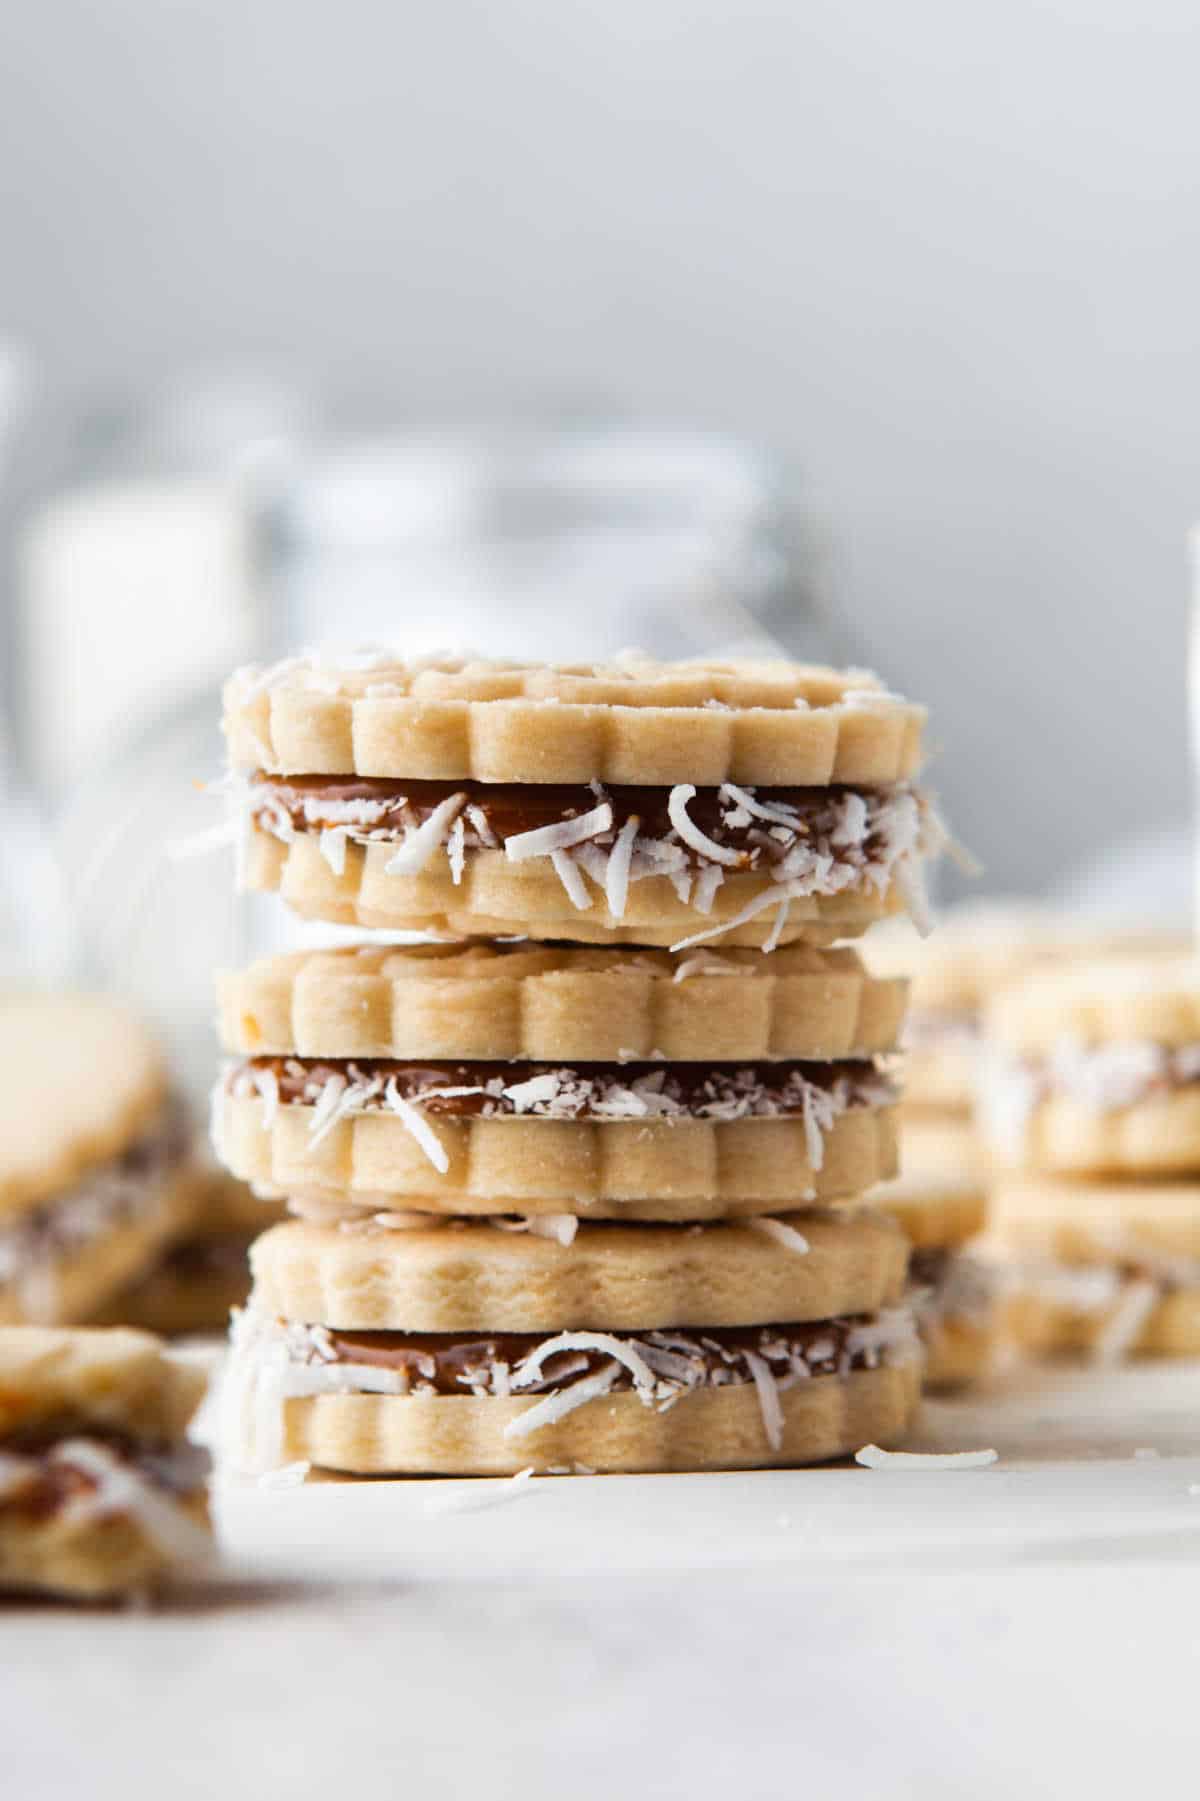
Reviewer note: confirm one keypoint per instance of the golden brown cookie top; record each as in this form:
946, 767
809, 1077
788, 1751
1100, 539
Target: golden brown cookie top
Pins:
81, 1079
635, 721
111, 1380
532, 1001
475, 1277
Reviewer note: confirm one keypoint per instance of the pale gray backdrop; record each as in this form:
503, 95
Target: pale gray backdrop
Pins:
943, 255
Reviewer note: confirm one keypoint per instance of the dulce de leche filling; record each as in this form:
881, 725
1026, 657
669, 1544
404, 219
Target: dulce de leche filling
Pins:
492, 1363
492, 813
591, 1090
42, 1472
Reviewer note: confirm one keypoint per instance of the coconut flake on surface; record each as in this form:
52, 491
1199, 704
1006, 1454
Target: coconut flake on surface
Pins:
475, 1498
873, 1457
292, 1475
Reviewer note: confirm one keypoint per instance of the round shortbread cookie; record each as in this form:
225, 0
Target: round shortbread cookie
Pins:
665, 1169
499, 898
1095, 1222
713, 1429
1044, 1324
475, 1277
82, 1079
637, 722
939, 1198
78, 1282
93, 1556
533, 1002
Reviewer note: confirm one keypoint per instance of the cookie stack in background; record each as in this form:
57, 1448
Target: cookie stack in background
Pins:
1090, 1104
564, 1204
979, 952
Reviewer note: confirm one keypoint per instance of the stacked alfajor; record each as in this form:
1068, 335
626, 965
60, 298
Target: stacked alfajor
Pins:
1090, 1106
580, 1186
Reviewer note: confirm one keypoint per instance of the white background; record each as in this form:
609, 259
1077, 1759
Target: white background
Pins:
942, 255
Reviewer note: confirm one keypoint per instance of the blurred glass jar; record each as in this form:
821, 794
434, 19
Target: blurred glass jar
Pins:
563, 545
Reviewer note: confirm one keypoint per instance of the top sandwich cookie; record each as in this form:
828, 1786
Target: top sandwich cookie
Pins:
1096, 1069
537, 1079
94, 1155
649, 803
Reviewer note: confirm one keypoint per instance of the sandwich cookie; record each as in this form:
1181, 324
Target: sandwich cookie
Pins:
198, 1279
644, 803
940, 1204
100, 1493
95, 1156
445, 1352
979, 951
1109, 1269
542, 1080
1096, 1070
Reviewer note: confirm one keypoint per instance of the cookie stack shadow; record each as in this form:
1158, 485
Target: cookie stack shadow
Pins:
581, 1189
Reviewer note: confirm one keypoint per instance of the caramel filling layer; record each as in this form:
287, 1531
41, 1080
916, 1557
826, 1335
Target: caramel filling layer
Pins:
492, 813
499, 1363
581, 1091
44, 1471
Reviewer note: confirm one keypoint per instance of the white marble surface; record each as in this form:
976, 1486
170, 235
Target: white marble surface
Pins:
1026, 1630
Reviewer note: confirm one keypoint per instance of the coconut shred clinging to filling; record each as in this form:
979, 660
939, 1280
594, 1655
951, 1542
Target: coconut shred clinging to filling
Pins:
806, 841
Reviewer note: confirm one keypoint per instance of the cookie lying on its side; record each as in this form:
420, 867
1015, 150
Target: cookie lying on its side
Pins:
502, 1078
95, 1156
443, 1351
643, 803
100, 1493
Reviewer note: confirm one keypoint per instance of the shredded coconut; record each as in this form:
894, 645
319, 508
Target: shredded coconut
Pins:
781, 1232
419, 845
691, 834
872, 1457
560, 836
419, 1126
